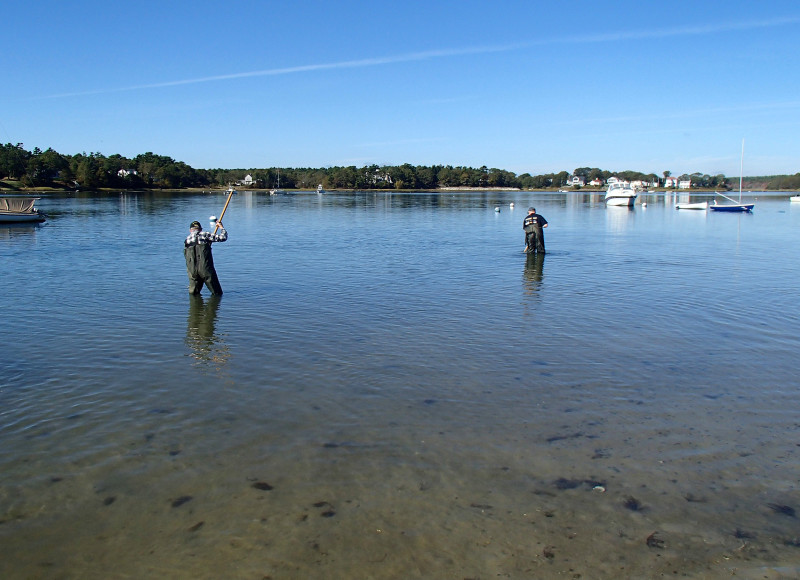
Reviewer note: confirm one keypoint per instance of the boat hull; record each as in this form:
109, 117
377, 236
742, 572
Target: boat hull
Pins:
745, 207
624, 201
13, 218
699, 205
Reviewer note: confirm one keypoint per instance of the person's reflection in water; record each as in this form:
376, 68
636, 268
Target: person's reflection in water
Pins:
534, 273
207, 347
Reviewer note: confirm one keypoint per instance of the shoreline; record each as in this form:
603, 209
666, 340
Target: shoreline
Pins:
42, 191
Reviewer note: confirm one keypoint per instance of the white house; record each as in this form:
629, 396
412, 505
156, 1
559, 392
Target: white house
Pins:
126, 172
685, 184
577, 180
596, 181
248, 179
671, 181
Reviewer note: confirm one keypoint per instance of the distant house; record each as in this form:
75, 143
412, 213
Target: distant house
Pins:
248, 179
126, 172
596, 181
671, 182
642, 184
685, 184
617, 180
577, 180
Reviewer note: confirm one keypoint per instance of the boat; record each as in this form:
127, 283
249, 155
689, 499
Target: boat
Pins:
19, 210
320, 189
620, 194
740, 207
697, 205
735, 206
795, 198
277, 190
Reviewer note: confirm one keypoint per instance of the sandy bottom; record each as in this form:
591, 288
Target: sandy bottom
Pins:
628, 492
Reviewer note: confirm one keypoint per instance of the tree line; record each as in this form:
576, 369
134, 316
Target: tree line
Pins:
49, 168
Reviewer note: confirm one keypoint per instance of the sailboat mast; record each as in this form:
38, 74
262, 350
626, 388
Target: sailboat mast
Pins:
741, 172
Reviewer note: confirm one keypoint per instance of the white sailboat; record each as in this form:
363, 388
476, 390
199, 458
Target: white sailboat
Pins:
277, 190
735, 206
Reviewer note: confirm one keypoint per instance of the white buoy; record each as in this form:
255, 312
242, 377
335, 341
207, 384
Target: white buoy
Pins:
497, 209
511, 205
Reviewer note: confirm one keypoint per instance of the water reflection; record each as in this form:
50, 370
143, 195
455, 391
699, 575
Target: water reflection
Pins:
22, 230
534, 273
207, 346
619, 218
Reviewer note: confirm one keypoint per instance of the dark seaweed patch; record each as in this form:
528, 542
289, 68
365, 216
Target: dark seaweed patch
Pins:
653, 541
563, 437
793, 542
483, 506
262, 485
632, 503
743, 535
181, 500
197, 526
782, 509
109, 500
563, 483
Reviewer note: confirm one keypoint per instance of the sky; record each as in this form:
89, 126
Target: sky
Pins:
527, 86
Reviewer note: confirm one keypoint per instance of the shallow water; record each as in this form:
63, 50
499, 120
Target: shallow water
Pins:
390, 388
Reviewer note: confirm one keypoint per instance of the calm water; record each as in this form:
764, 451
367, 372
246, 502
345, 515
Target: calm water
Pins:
390, 388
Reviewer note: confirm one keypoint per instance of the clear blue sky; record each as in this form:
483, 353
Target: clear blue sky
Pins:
525, 85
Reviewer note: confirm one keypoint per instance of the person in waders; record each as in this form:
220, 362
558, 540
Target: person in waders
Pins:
199, 261
534, 225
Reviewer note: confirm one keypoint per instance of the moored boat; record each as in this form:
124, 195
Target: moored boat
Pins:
320, 189
697, 205
795, 198
736, 206
19, 209
620, 194
740, 207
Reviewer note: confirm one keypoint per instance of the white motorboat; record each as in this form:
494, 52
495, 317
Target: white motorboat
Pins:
320, 189
795, 198
19, 209
620, 194
697, 205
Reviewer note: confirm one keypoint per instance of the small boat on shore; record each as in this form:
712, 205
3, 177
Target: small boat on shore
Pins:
620, 194
19, 210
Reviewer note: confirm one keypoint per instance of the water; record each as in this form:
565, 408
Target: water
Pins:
390, 388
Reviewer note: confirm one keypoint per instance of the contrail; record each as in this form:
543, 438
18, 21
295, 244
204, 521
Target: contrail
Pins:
453, 52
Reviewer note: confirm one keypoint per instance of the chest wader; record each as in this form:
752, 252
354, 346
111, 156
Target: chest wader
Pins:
538, 239
534, 237
200, 267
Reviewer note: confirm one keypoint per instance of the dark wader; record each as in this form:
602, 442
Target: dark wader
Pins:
200, 267
534, 238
